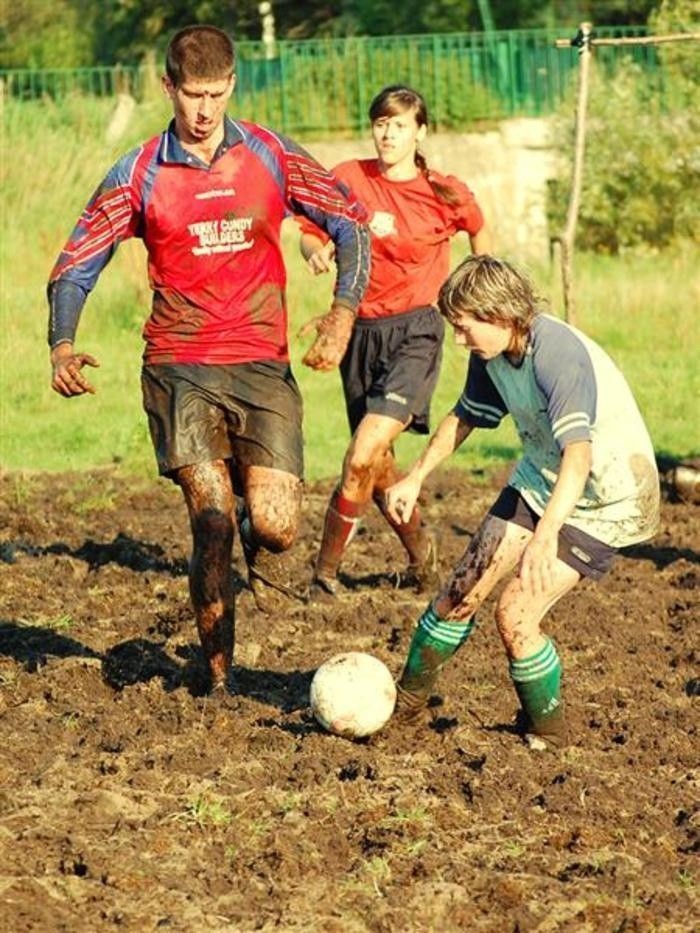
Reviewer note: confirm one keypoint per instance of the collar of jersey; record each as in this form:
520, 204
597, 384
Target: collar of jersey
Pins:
172, 150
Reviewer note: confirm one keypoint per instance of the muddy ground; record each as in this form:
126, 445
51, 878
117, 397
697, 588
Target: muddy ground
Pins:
129, 802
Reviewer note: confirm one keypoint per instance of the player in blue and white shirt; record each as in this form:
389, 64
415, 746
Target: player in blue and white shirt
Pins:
586, 484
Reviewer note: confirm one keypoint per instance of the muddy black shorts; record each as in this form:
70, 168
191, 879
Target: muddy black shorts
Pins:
391, 367
250, 413
585, 554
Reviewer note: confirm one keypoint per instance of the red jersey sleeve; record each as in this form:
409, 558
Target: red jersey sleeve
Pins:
343, 184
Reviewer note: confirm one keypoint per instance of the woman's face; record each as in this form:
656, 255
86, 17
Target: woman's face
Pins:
485, 339
396, 138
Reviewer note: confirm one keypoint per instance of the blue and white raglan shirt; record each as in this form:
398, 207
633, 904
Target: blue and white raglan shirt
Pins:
568, 389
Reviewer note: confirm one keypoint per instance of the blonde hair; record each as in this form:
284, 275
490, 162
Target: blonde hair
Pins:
493, 291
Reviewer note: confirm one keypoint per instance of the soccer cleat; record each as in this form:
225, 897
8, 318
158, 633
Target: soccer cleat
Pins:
322, 590
409, 704
222, 690
549, 734
219, 704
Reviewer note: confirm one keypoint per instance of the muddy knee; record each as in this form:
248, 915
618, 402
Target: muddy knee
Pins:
519, 628
358, 477
274, 538
275, 530
272, 506
212, 529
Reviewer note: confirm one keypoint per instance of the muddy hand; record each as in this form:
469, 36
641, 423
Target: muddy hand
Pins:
68, 379
333, 332
401, 498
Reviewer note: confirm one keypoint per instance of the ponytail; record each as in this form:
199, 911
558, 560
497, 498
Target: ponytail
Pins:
443, 193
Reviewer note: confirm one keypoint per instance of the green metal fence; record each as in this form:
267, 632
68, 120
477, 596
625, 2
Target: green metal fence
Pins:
324, 86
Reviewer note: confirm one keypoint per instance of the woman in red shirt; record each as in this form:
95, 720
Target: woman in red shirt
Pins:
391, 366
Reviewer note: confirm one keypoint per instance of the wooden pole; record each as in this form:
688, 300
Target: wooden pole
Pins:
585, 40
568, 236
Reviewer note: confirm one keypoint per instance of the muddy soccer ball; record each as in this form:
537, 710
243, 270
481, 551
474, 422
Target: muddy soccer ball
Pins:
352, 694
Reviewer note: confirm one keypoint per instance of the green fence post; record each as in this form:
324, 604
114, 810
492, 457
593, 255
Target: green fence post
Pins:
359, 71
283, 89
436, 105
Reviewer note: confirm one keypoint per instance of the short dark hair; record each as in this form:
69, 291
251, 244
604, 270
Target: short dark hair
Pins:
202, 52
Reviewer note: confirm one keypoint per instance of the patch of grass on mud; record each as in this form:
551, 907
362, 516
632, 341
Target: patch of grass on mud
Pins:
204, 811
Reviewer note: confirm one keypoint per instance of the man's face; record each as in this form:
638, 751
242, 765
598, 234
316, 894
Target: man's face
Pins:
199, 106
485, 339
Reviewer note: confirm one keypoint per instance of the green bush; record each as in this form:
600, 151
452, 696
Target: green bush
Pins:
681, 59
641, 182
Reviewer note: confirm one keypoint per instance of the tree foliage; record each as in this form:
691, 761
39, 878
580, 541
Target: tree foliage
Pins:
386, 17
641, 184
681, 60
74, 33
37, 34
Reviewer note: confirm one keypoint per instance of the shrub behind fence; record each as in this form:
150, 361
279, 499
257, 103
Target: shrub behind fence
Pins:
324, 86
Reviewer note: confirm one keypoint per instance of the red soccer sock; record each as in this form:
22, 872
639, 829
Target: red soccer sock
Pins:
342, 519
411, 534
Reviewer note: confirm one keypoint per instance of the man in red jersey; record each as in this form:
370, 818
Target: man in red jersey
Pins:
208, 197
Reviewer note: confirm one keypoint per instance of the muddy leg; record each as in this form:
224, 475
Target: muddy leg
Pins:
369, 446
209, 497
534, 664
449, 620
419, 543
269, 522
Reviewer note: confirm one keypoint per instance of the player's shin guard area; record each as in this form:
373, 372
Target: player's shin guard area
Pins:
341, 521
423, 575
433, 644
420, 545
537, 681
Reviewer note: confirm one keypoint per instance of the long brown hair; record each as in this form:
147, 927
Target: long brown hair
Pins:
398, 98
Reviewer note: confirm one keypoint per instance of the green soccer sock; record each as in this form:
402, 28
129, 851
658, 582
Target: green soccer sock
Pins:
434, 642
537, 681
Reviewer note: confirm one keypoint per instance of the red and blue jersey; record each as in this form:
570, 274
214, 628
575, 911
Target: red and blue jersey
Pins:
212, 233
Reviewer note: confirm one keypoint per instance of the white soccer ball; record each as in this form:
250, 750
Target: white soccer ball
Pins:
352, 694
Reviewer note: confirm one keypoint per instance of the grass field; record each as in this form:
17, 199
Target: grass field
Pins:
642, 309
